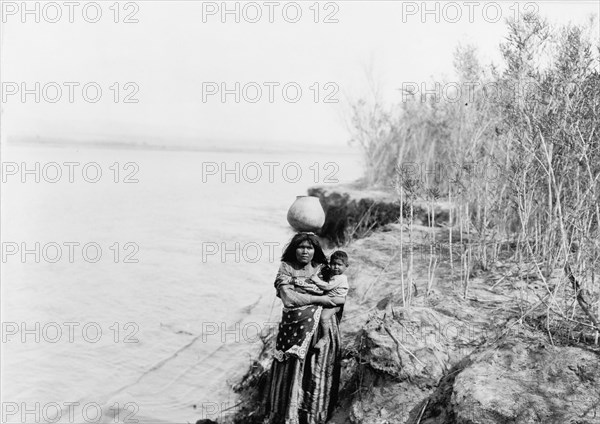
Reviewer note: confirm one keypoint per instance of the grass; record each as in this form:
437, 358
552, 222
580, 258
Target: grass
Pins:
521, 167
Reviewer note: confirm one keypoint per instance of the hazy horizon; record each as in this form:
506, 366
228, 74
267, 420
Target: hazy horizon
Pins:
171, 58
178, 144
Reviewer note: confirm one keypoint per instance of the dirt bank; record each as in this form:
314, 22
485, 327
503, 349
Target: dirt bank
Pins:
448, 356
353, 212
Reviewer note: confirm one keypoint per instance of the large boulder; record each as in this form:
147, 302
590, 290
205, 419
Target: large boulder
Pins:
400, 356
529, 381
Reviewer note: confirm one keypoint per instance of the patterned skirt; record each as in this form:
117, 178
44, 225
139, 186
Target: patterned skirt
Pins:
304, 391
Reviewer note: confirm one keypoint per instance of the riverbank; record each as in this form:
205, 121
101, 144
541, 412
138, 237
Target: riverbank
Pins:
427, 350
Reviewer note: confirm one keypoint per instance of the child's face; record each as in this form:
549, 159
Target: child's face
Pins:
338, 266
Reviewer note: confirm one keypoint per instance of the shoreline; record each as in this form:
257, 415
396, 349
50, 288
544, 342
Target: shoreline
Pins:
446, 356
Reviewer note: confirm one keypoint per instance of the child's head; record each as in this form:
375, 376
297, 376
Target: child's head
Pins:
338, 262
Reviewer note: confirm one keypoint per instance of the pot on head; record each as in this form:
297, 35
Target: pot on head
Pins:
306, 214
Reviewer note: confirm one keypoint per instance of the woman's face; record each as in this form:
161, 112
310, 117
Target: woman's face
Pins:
305, 252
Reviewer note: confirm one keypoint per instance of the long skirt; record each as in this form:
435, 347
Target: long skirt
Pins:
305, 391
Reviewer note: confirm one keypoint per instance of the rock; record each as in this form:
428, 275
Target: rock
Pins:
522, 383
402, 356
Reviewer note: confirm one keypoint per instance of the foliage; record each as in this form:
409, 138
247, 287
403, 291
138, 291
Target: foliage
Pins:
516, 154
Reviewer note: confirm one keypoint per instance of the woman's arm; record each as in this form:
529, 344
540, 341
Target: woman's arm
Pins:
293, 299
284, 276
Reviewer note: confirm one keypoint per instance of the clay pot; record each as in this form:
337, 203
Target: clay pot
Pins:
306, 214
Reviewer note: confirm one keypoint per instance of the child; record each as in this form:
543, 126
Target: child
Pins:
335, 286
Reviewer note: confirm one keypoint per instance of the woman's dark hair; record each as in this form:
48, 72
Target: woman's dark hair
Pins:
289, 254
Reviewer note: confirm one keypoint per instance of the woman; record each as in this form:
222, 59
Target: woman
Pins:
304, 380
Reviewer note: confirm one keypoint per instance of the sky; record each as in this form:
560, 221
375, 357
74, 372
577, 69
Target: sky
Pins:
288, 69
